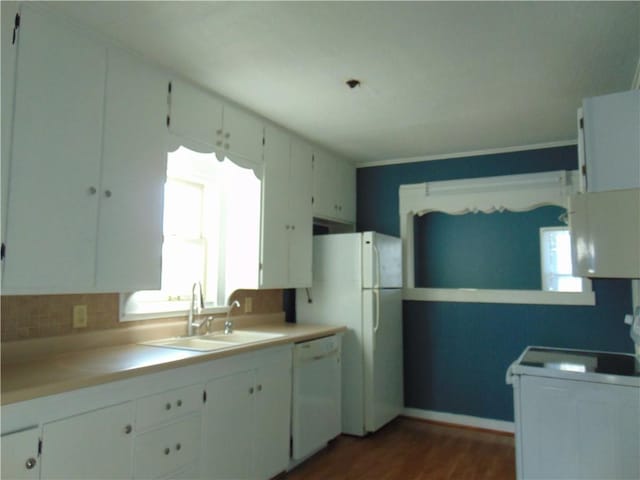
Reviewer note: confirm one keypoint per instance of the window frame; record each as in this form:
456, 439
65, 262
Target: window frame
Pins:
516, 193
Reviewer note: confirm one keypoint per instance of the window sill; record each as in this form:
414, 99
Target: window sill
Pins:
535, 297
132, 317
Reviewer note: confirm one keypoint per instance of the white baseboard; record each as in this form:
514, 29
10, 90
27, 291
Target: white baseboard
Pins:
462, 420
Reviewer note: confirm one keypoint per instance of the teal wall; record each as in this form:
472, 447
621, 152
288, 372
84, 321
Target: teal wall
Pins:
456, 354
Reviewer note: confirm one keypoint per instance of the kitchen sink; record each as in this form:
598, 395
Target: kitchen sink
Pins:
242, 336
212, 341
199, 344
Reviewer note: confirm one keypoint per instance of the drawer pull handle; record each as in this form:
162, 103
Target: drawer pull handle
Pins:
167, 406
128, 429
178, 446
167, 451
30, 463
179, 403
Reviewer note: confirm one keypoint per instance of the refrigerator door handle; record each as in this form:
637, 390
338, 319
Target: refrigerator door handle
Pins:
376, 258
376, 324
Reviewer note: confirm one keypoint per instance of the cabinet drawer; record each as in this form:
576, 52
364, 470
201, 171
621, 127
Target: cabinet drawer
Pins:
167, 406
160, 452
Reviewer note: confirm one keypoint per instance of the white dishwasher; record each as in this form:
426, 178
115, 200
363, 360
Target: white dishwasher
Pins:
317, 394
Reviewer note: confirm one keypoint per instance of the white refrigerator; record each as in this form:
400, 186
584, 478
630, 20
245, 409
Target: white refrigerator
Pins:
357, 282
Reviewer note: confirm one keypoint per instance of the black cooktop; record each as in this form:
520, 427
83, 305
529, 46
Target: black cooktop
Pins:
624, 364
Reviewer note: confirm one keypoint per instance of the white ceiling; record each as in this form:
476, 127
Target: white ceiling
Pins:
437, 77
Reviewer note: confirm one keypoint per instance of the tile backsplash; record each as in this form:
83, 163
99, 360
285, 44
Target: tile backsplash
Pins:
38, 316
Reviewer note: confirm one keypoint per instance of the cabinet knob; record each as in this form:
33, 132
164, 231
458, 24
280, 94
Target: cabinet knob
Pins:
219, 131
286, 227
293, 227
30, 463
219, 143
227, 135
226, 146
251, 391
178, 446
179, 403
128, 429
259, 388
167, 406
107, 193
92, 190
167, 450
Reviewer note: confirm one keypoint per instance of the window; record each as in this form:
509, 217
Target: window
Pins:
211, 235
555, 261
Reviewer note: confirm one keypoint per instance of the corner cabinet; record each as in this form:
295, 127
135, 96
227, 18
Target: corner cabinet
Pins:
605, 233
87, 165
334, 188
609, 141
286, 212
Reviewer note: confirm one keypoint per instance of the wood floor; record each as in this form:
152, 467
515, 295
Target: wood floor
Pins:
409, 449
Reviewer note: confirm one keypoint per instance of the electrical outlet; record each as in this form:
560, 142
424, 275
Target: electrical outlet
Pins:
79, 316
248, 305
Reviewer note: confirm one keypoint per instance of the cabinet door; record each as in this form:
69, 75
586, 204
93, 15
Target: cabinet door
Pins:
195, 115
324, 179
605, 233
273, 414
346, 191
229, 426
8, 59
242, 136
55, 166
133, 177
20, 455
612, 149
275, 210
94, 445
301, 215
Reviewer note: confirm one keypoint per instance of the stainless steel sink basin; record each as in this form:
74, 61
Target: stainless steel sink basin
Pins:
242, 336
199, 344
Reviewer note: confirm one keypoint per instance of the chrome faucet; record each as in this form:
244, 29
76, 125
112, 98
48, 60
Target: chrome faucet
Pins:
228, 323
195, 308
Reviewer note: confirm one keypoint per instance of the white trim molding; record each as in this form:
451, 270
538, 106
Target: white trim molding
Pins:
474, 153
474, 295
462, 420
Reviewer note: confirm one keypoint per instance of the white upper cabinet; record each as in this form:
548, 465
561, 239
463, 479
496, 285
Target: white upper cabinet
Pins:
214, 125
334, 188
195, 115
8, 17
605, 234
134, 166
609, 141
55, 165
87, 167
286, 212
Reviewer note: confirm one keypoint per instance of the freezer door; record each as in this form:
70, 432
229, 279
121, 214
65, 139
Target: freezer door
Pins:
383, 372
381, 261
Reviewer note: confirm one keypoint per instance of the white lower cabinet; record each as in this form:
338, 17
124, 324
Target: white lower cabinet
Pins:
247, 420
94, 445
222, 419
20, 455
